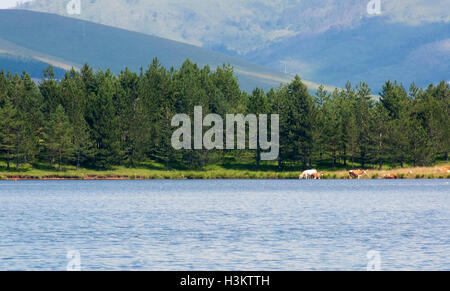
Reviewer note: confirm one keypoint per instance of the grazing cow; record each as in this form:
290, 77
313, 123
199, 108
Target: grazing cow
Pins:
356, 174
317, 176
446, 169
391, 177
306, 175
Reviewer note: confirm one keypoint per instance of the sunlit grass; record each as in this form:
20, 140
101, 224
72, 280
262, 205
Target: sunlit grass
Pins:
153, 170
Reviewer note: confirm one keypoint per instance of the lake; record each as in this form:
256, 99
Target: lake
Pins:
225, 225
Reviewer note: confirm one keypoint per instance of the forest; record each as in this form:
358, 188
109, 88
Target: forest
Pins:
96, 119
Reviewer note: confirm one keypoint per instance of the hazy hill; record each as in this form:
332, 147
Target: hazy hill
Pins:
66, 42
328, 41
17, 65
374, 51
239, 26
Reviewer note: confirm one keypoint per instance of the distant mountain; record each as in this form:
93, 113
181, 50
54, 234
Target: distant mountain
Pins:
66, 42
239, 26
323, 40
374, 52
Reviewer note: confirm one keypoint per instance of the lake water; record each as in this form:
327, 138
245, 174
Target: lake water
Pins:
225, 225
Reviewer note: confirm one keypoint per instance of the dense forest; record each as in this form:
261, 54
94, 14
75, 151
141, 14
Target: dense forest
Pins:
96, 119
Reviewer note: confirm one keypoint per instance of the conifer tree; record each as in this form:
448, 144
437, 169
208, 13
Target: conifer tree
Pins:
58, 136
105, 128
257, 104
9, 126
74, 101
296, 131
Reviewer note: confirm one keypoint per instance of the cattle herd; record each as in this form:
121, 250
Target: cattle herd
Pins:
311, 175
354, 174
315, 175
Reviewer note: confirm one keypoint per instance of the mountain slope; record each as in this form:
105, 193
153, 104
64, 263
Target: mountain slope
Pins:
239, 26
242, 26
328, 41
67, 42
374, 52
34, 67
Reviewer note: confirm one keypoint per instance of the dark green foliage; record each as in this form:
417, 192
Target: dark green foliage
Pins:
104, 122
8, 127
257, 104
26, 118
98, 119
58, 135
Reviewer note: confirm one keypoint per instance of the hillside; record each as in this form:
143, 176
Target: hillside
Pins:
374, 51
326, 41
65, 42
238, 26
18, 64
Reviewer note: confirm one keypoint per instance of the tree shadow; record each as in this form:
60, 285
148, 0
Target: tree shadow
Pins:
13, 169
261, 168
44, 167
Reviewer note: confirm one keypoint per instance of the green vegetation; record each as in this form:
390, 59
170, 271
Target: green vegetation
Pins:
102, 124
152, 170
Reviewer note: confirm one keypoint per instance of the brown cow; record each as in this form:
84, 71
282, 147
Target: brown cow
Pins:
317, 176
391, 176
446, 169
356, 174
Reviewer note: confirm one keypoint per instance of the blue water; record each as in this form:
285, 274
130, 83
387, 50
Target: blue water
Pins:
225, 225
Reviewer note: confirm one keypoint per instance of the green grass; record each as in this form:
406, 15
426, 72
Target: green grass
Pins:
154, 170
145, 172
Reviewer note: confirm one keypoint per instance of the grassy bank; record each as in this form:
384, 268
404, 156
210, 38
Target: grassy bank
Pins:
157, 171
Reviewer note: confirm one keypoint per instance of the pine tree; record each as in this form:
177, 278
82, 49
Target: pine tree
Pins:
437, 105
320, 118
348, 133
363, 113
9, 125
276, 106
225, 81
133, 124
296, 130
380, 126
395, 100
257, 104
50, 92
332, 128
74, 101
104, 122
157, 95
58, 136
419, 143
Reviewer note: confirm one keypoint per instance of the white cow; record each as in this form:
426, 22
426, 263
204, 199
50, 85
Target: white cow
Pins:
306, 175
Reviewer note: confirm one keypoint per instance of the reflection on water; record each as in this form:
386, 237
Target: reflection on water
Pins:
225, 225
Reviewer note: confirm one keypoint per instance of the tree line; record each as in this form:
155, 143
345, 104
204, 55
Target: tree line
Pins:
97, 119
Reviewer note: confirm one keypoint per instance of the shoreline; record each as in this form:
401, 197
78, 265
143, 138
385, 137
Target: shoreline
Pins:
437, 172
